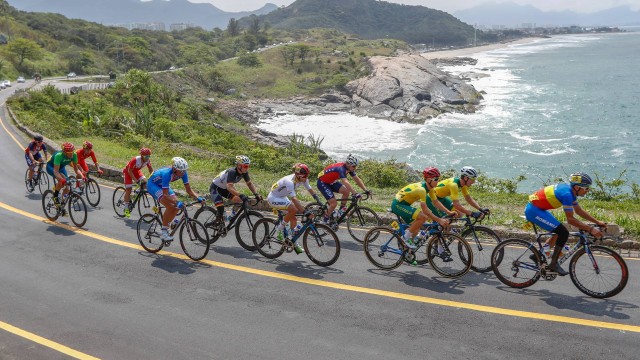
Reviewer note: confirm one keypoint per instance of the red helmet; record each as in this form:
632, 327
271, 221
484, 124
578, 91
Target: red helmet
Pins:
87, 145
301, 169
430, 172
68, 147
145, 152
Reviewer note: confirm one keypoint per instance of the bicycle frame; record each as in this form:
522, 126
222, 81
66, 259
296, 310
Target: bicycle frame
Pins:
306, 223
352, 205
582, 242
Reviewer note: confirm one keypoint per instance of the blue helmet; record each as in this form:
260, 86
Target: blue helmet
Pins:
580, 179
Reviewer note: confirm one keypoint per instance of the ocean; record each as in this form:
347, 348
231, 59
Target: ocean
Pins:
552, 107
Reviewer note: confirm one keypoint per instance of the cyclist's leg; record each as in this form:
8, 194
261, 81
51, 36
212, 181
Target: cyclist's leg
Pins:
409, 214
338, 187
327, 193
545, 220
218, 200
128, 184
284, 204
30, 164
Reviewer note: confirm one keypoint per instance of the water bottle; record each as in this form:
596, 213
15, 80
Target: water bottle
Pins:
565, 249
421, 235
296, 230
546, 250
175, 223
231, 215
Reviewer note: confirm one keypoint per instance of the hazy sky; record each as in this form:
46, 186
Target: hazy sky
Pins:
448, 5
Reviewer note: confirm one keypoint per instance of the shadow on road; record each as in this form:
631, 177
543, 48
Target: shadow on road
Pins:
415, 278
174, 265
57, 230
301, 268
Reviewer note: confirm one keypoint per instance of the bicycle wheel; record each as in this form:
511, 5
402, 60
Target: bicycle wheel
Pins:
149, 229
48, 205
92, 191
482, 245
146, 203
321, 244
383, 248
77, 210
264, 238
27, 178
194, 240
118, 201
602, 276
244, 228
360, 221
43, 181
449, 255
512, 263
207, 216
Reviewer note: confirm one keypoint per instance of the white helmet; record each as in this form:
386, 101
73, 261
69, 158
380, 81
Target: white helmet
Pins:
468, 171
351, 160
180, 163
242, 159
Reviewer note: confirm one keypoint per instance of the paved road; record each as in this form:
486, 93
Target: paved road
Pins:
95, 293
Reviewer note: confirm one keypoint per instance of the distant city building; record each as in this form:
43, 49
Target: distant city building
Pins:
180, 26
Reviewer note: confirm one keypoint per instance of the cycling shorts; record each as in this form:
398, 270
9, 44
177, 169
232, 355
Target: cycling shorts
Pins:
83, 165
62, 171
218, 195
278, 203
31, 163
128, 181
403, 209
437, 212
156, 190
327, 190
542, 218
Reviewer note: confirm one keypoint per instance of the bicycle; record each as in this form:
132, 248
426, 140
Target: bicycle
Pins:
243, 221
478, 237
319, 241
449, 255
91, 189
39, 178
595, 270
195, 243
139, 196
358, 218
77, 209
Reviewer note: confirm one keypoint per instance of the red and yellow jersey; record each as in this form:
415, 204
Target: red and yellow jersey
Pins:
451, 187
553, 197
415, 192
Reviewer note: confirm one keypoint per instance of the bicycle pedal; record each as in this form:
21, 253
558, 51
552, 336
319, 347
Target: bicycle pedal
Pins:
166, 243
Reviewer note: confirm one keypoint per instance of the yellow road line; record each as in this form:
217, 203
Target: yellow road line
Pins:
10, 134
353, 288
45, 342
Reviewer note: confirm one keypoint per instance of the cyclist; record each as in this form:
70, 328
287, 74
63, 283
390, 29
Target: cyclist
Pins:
333, 179
284, 189
56, 168
417, 192
448, 193
158, 187
222, 187
133, 172
84, 153
566, 196
32, 156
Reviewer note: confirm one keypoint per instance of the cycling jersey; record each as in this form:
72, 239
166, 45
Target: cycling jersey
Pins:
82, 157
34, 148
334, 172
231, 175
287, 186
415, 192
162, 177
553, 197
135, 165
60, 159
451, 188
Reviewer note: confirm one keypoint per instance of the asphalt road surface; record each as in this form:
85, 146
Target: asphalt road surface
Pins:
94, 293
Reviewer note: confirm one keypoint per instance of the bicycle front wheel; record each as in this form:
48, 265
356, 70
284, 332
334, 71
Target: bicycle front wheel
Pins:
146, 203
118, 201
383, 248
49, 206
27, 178
149, 229
449, 255
360, 221
602, 275
43, 181
194, 240
77, 210
321, 244
515, 263
92, 191
482, 245
264, 238
244, 228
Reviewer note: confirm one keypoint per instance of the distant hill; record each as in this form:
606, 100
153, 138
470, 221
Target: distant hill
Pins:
135, 11
513, 15
373, 19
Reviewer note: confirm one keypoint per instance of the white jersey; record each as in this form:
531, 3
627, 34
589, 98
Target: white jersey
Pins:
286, 187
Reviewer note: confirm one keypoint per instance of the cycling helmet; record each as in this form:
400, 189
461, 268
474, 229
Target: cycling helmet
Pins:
145, 152
301, 169
180, 163
68, 147
580, 179
351, 160
242, 159
38, 138
87, 145
430, 172
468, 171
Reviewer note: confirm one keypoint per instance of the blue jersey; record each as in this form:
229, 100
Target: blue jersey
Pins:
162, 177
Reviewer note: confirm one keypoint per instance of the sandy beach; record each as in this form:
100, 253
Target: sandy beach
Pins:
475, 49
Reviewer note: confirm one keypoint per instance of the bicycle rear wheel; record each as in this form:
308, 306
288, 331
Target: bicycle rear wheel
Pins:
482, 249
118, 201
449, 255
77, 210
360, 221
207, 216
146, 203
515, 263
50, 208
264, 238
92, 191
244, 228
603, 276
321, 244
383, 248
194, 241
149, 229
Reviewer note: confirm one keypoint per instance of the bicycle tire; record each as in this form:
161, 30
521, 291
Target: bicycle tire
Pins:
195, 243
118, 201
612, 276
49, 207
481, 252
360, 221
207, 216
244, 228
77, 210
26, 181
382, 246
146, 203
321, 244
149, 229
92, 192
264, 238
456, 258
512, 258
43, 181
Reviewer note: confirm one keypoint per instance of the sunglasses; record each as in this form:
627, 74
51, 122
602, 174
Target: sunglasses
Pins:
435, 179
68, 152
245, 166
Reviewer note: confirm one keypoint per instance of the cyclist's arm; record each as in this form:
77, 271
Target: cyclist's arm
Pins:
431, 215
461, 209
131, 175
585, 215
443, 208
95, 161
193, 195
150, 168
56, 173
171, 200
252, 188
359, 182
232, 189
297, 203
471, 201
346, 184
76, 169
